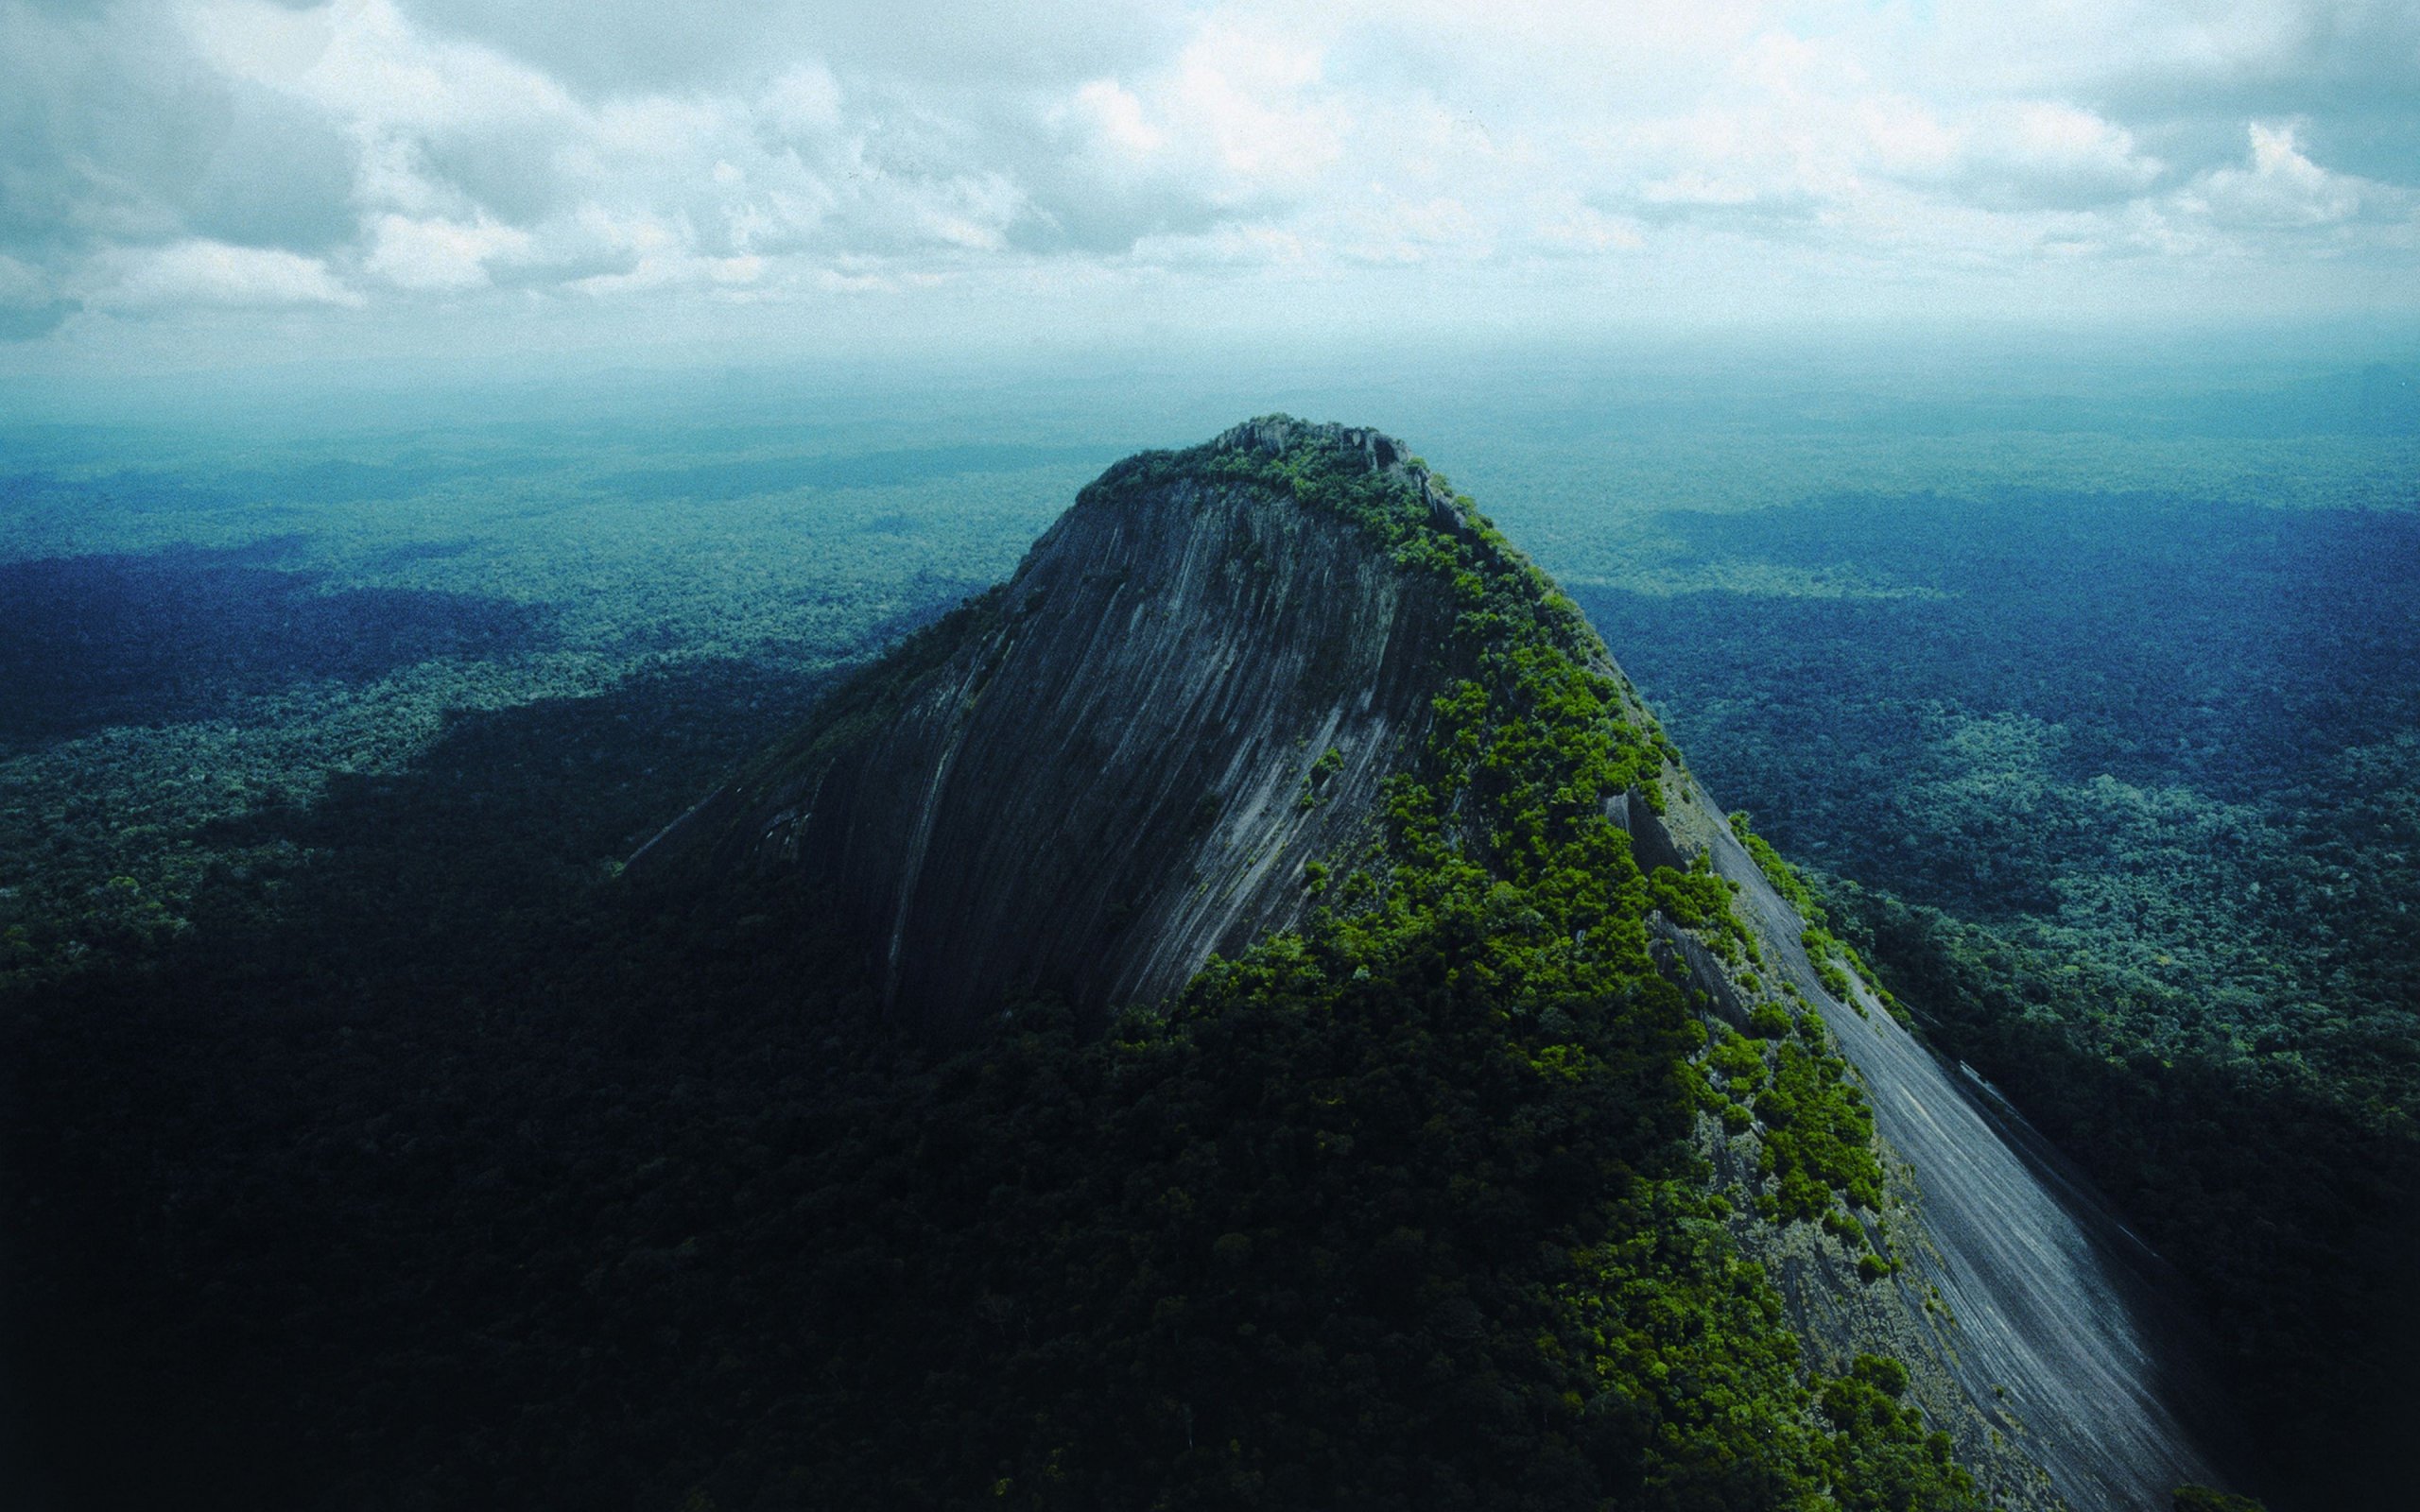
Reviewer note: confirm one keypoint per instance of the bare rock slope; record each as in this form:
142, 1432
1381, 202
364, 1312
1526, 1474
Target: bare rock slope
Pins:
1119, 762
2032, 1322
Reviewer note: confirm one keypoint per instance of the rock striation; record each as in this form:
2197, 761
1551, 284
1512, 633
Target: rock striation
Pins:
1182, 710
1119, 763
2031, 1319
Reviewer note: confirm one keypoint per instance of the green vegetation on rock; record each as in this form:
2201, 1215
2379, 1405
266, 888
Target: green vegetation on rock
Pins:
2123, 801
1477, 1079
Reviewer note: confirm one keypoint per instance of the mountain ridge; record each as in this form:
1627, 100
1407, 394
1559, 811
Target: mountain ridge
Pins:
1001, 808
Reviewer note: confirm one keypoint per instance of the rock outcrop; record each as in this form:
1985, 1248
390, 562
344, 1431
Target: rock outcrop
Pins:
1178, 714
1119, 764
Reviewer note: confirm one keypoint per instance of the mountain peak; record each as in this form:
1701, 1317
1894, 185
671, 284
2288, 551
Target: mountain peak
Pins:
1122, 761
1276, 434
1285, 701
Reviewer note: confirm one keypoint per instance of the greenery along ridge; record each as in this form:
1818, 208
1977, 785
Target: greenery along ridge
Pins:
1824, 948
1406, 1191
2129, 813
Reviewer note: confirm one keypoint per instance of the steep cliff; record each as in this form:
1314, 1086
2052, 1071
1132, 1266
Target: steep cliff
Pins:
2029, 1315
1120, 762
1287, 698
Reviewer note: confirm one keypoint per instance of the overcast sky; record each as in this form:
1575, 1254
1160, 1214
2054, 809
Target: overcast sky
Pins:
239, 179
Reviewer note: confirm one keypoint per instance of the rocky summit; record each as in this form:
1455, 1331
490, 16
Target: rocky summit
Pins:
1091, 778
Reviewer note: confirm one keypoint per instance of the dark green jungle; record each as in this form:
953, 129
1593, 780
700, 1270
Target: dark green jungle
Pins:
371, 1142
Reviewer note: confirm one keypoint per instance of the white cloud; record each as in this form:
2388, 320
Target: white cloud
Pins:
365, 60
1392, 230
1582, 229
214, 274
2049, 152
1253, 96
441, 254
407, 153
804, 102
1115, 114
1240, 119
2279, 188
1232, 245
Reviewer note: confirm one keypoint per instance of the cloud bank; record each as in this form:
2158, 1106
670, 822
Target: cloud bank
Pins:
398, 160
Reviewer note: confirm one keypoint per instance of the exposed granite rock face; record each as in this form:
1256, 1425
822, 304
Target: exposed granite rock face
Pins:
2029, 1318
1122, 763
1177, 701
2034, 1326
